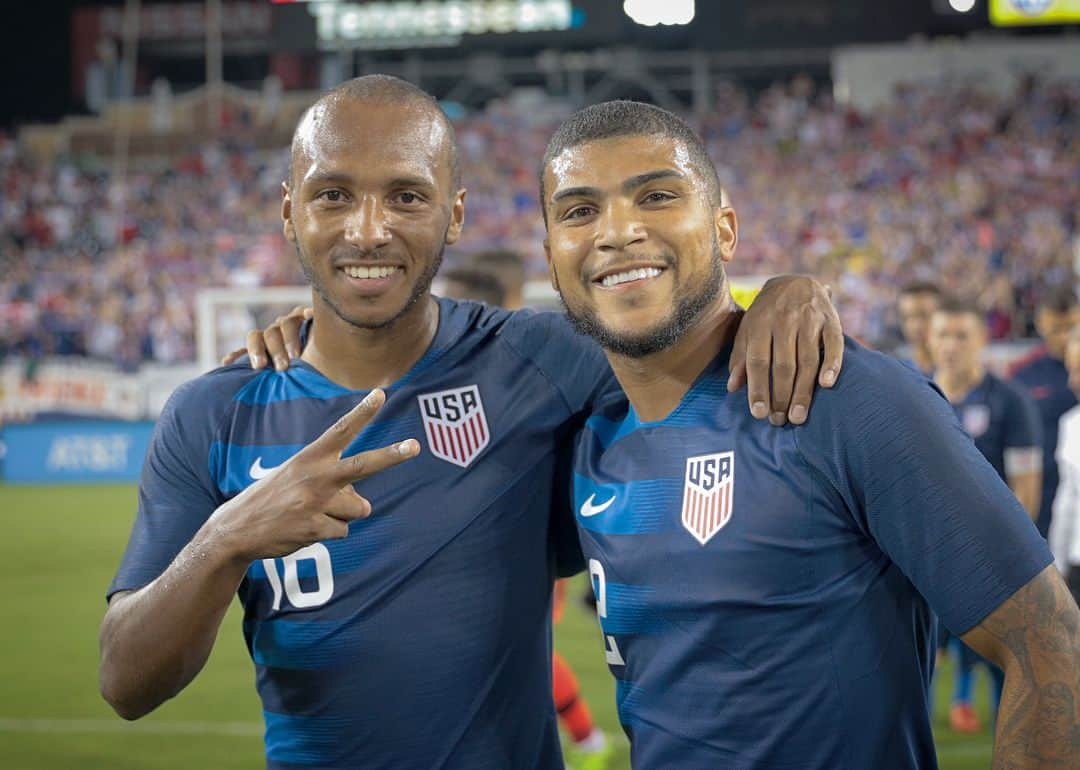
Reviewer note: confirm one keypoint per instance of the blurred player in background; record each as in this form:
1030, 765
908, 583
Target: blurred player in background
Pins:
917, 302
509, 267
1042, 373
764, 595
419, 638
589, 747
1004, 424
473, 283
1065, 523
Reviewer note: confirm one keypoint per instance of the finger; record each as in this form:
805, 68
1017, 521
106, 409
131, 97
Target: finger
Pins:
338, 436
784, 350
275, 346
364, 464
809, 357
737, 362
290, 329
347, 505
758, 356
233, 356
834, 352
256, 350
330, 528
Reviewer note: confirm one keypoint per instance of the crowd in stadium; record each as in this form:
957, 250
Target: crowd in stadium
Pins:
947, 183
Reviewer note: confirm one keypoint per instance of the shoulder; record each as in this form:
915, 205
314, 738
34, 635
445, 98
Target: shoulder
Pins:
871, 376
1029, 364
210, 395
1013, 394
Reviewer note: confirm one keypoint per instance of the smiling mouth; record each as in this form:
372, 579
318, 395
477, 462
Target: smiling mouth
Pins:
629, 276
373, 271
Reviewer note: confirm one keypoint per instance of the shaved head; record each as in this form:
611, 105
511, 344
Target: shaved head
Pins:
375, 91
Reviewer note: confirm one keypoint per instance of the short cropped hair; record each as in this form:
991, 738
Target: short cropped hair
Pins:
1058, 299
610, 120
956, 306
478, 284
508, 265
921, 287
387, 89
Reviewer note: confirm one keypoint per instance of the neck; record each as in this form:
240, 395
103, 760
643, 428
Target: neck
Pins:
362, 359
956, 385
921, 357
656, 384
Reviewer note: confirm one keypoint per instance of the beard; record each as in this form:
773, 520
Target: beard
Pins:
687, 307
419, 289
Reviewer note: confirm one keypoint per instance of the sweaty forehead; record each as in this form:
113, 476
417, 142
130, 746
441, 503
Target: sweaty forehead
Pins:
348, 135
608, 162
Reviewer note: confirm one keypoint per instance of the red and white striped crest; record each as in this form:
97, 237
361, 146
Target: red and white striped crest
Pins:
708, 494
454, 421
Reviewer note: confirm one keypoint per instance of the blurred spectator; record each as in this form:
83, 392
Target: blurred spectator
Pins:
952, 183
1042, 373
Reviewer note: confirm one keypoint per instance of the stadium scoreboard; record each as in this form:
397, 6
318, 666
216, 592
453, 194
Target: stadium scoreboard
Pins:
1014, 13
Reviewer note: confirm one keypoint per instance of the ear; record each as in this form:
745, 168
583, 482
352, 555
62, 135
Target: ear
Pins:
726, 227
551, 265
457, 217
287, 226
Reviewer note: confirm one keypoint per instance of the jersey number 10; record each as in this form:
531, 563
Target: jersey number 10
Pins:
298, 597
599, 583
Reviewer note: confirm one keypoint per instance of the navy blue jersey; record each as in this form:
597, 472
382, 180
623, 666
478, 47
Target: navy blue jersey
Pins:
765, 594
422, 640
999, 416
1047, 382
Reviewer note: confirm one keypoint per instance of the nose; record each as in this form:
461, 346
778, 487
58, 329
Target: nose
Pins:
619, 227
366, 227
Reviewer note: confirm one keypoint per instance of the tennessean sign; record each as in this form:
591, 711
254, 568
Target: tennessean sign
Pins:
388, 24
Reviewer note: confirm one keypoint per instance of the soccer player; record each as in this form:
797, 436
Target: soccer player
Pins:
472, 283
1065, 523
1042, 373
765, 595
917, 302
417, 637
509, 267
1002, 421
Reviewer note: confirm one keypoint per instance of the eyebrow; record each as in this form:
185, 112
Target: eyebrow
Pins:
628, 185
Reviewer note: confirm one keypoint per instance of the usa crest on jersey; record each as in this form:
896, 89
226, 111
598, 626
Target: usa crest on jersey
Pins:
708, 494
455, 424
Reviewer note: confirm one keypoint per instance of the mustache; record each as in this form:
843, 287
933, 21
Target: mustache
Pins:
346, 255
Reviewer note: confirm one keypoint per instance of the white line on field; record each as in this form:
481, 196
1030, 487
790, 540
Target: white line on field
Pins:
153, 727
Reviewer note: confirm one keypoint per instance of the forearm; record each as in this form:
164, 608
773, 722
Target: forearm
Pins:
1028, 490
1038, 724
155, 640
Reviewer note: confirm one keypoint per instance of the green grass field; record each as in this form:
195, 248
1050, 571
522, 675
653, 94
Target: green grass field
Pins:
61, 547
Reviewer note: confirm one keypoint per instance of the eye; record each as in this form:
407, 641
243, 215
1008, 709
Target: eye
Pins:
408, 198
578, 212
658, 196
331, 196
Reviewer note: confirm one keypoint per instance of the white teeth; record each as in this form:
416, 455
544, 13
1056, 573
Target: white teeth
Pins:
360, 271
630, 275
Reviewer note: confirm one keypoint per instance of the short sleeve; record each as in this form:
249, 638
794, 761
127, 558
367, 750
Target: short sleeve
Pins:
891, 446
176, 492
1023, 427
572, 362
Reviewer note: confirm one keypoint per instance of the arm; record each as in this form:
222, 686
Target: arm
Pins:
156, 639
1028, 489
1023, 451
781, 339
1034, 637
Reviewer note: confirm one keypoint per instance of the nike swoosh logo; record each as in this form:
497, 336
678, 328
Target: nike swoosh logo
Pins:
588, 509
258, 471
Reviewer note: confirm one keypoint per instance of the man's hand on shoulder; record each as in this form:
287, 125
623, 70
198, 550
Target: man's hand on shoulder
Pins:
781, 338
278, 343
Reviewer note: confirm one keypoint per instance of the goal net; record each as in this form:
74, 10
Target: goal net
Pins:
224, 316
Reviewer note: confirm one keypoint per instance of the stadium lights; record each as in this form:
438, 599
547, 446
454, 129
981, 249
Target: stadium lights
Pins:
649, 13
962, 6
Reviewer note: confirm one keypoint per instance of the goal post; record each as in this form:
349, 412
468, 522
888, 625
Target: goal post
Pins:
223, 316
